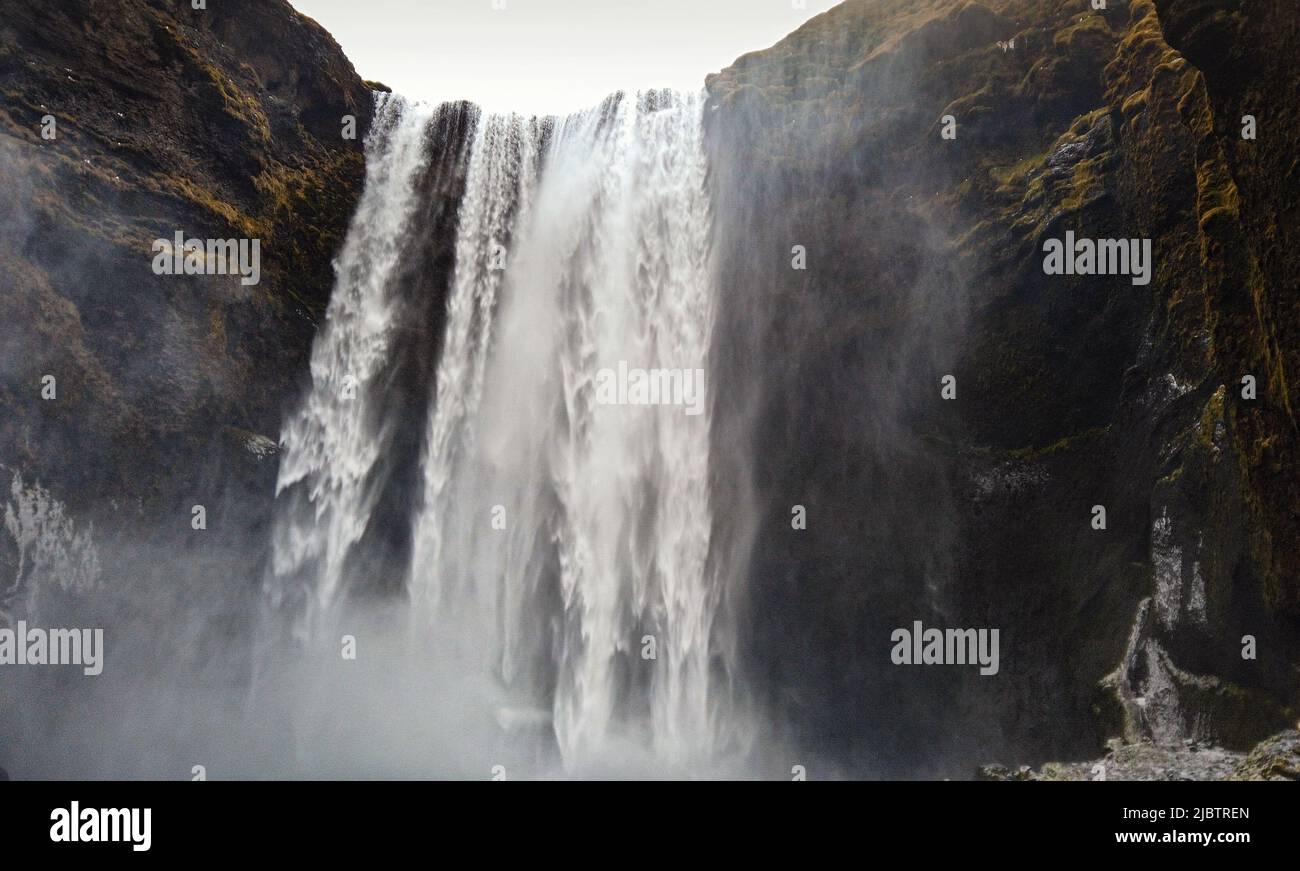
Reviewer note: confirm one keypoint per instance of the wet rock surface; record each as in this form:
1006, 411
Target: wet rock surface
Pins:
1276, 758
1072, 392
223, 123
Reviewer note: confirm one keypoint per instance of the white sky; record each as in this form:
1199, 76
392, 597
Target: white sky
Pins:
550, 56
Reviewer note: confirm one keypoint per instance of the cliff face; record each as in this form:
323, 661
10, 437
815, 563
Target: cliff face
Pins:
220, 123
925, 259
1249, 223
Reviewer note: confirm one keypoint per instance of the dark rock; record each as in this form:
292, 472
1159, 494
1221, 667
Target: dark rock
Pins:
992, 772
1277, 758
925, 259
221, 123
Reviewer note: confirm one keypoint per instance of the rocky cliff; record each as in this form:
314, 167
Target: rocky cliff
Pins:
920, 154
131, 397
126, 122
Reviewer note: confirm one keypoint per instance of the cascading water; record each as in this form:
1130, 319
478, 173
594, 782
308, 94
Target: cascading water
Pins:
334, 441
561, 543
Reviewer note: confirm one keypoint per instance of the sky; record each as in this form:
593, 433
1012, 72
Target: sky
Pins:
550, 56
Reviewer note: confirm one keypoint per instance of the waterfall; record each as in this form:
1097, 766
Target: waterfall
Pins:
333, 443
560, 541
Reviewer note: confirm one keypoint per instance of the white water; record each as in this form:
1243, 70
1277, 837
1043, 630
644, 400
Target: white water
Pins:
582, 243
331, 444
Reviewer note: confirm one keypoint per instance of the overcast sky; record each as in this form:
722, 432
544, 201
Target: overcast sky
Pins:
547, 56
